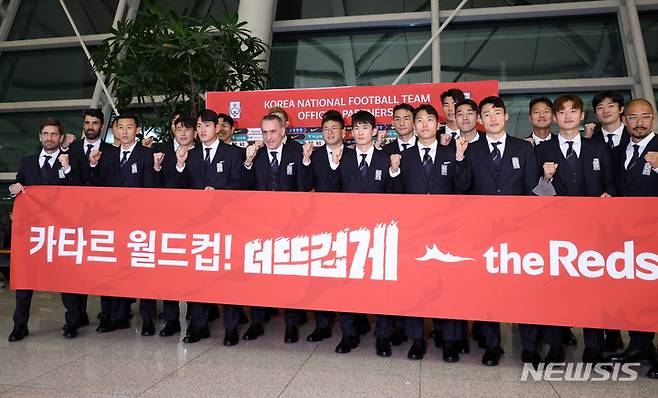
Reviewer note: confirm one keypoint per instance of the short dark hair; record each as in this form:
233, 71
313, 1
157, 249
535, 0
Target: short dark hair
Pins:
333, 115
559, 102
404, 106
497, 102
472, 104
273, 117
427, 108
456, 94
364, 117
128, 115
615, 96
94, 112
226, 118
538, 100
52, 122
207, 115
277, 109
186, 120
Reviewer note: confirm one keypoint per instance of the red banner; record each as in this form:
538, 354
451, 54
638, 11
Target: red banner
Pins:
305, 107
585, 262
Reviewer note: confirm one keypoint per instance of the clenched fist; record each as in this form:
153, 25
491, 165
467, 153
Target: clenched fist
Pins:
64, 160
94, 157
307, 149
158, 157
181, 156
549, 170
395, 162
460, 144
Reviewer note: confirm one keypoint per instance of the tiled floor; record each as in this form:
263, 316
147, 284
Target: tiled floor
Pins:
125, 364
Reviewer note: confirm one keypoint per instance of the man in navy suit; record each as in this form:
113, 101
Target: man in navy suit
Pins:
499, 164
403, 122
48, 167
574, 166
609, 108
130, 166
541, 118
448, 100
636, 169
276, 166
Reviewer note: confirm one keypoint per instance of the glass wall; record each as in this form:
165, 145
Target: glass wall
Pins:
649, 23
300, 9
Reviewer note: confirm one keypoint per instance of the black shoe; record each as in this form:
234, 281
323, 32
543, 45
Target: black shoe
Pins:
398, 337
319, 334
555, 355
531, 357
18, 333
383, 347
70, 332
148, 329
653, 372
243, 317
613, 342
492, 356
464, 346
253, 332
231, 338
170, 328
84, 319
125, 324
193, 336
105, 326
417, 350
592, 356
450, 351
437, 336
303, 318
213, 312
347, 344
292, 335
646, 355
569, 338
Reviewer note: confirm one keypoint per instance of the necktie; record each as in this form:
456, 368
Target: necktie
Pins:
495, 154
124, 158
635, 157
427, 162
363, 167
206, 159
88, 151
274, 164
572, 158
404, 146
610, 142
46, 168
453, 134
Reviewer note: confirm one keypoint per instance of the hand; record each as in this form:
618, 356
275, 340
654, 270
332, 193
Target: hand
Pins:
461, 144
64, 160
157, 160
530, 140
208, 189
307, 149
16, 188
250, 154
606, 195
589, 130
148, 142
337, 155
652, 158
67, 141
181, 156
381, 136
395, 162
94, 157
444, 139
549, 170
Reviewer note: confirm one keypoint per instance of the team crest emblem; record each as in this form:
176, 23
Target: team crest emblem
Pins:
234, 109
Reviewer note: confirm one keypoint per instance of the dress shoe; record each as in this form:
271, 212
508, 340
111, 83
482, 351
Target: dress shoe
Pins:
645, 355
613, 342
437, 336
592, 356
347, 344
417, 350
253, 332
105, 326
193, 336
653, 372
450, 351
124, 324
243, 317
170, 328
531, 357
555, 355
18, 333
148, 329
569, 338
303, 318
398, 337
70, 332
292, 335
319, 334
492, 356
383, 347
231, 338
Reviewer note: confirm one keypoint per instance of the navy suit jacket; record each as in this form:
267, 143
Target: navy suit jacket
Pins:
29, 173
377, 180
596, 164
136, 172
635, 182
598, 136
393, 147
324, 179
293, 175
80, 162
224, 171
442, 179
481, 177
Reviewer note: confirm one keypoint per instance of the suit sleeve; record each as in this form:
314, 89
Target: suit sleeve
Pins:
235, 179
463, 174
609, 183
531, 176
148, 178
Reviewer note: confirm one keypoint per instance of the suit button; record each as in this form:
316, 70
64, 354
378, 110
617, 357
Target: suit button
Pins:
498, 190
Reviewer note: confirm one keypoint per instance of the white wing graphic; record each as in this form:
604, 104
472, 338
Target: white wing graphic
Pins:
435, 254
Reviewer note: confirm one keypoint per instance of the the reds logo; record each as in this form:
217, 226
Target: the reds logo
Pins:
234, 109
